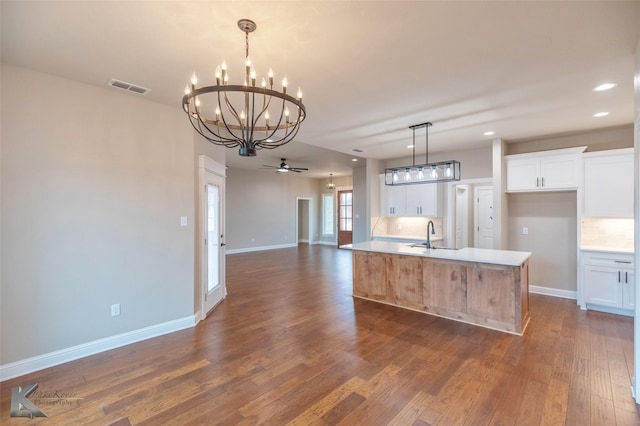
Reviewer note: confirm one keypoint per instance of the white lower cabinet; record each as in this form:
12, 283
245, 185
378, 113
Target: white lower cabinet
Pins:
608, 280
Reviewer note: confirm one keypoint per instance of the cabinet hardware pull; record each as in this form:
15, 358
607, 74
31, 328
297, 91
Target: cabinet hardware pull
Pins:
626, 277
537, 182
542, 182
623, 261
619, 280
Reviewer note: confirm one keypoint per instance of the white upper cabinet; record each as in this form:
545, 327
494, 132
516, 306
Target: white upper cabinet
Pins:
410, 200
422, 200
556, 170
392, 199
608, 184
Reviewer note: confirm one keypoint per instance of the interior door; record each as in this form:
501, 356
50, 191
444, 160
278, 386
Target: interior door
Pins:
483, 215
345, 217
213, 252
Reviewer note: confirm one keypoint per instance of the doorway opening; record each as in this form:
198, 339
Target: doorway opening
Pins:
471, 217
304, 233
345, 217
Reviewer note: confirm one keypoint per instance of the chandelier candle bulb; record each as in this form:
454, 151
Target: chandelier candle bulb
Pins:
187, 89
270, 77
194, 79
299, 94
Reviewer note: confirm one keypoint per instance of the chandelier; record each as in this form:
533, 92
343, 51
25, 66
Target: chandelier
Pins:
331, 185
442, 171
246, 116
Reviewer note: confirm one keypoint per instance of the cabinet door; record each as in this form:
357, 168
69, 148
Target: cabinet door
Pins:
602, 286
559, 172
422, 200
397, 200
369, 275
628, 288
608, 186
523, 174
392, 199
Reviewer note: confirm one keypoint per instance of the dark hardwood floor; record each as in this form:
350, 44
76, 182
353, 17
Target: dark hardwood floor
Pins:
289, 345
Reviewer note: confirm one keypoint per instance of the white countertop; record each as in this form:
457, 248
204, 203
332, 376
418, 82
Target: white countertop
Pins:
468, 254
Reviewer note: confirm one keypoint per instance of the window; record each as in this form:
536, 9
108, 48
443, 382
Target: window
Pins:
328, 217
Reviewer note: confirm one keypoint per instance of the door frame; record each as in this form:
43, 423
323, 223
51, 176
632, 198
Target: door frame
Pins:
337, 211
310, 230
208, 167
464, 226
449, 218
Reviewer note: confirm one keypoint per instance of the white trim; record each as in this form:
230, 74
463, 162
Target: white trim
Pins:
555, 292
609, 310
304, 241
261, 248
29, 365
212, 166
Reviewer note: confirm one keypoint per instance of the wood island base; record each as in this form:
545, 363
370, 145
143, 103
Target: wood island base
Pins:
485, 294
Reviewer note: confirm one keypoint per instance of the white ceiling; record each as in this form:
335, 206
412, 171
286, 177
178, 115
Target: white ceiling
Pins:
368, 70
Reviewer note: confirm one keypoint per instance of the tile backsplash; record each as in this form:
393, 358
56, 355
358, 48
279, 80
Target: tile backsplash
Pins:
614, 234
410, 227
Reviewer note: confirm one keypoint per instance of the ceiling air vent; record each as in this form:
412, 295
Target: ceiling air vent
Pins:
128, 86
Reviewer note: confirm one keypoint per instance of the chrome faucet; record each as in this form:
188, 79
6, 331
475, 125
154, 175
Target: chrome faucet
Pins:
433, 231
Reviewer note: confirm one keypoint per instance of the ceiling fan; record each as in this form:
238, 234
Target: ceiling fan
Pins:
284, 167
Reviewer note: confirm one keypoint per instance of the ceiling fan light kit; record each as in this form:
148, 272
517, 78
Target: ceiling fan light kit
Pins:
246, 116
441, 171
284, 167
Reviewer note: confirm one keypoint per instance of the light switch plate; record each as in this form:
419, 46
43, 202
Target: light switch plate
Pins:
183, 221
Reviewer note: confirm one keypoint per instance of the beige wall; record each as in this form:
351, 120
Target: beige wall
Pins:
261, 208
94, 182
551, 218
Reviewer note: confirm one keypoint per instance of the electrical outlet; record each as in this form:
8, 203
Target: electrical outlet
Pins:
183, 221
115, 310
525, 231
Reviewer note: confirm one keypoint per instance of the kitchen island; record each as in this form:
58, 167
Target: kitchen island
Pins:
489, 288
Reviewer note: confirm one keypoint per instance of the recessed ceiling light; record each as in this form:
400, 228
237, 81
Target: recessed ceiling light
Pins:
354, 159
601, 114
604, 86
409, 146
489, 133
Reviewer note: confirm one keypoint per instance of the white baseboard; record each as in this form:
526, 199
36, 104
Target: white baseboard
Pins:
261, 248
555, 292
303, 241
29, 365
